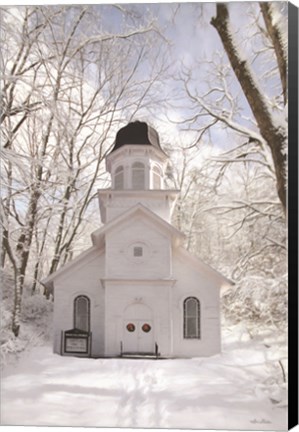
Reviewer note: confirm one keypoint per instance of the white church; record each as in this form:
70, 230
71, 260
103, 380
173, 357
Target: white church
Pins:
137, 291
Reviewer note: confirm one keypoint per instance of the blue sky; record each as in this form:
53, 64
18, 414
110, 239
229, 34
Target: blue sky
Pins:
192, 40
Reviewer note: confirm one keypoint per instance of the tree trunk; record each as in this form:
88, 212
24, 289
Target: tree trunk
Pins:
17, 304
35, 275
58, 240
25, 239
3, 250
278, 43
39, 254
273, 134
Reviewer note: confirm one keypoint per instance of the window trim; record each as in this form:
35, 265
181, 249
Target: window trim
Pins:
197, 317
88, 311
157, 175
140, 168
119, 171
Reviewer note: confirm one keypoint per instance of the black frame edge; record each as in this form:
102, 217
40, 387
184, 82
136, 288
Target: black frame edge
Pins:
293, 216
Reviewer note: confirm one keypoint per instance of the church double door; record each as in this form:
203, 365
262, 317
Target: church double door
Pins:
138, 336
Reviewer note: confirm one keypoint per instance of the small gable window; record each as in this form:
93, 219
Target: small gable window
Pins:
191, 318
138, 251
138, 175
82, 313
119, 178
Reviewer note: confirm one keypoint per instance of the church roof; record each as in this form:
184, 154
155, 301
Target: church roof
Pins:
137, 132
98, 247
98, 236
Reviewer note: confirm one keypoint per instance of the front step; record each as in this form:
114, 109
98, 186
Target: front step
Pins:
133, 355
140, 355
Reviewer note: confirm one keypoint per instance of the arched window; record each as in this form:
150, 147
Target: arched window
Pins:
156, 178
82, 313
138, 176
191, 318
119, 178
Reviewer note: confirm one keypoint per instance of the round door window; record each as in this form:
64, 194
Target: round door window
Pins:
146, 328
130, 327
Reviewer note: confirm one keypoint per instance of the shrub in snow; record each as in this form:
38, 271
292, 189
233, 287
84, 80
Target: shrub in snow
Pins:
36, 321
257, 300
11, 346
35, 307
5, 318
7, 286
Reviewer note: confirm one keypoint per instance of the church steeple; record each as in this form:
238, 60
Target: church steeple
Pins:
137, 161
137, 166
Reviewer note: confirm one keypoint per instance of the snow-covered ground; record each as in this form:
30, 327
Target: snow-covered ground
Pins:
243, 388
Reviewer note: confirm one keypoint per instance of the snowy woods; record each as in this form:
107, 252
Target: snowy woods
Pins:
73, 75
68, 82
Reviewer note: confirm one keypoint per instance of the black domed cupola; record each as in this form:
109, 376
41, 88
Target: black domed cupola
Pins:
137, 161
136, 133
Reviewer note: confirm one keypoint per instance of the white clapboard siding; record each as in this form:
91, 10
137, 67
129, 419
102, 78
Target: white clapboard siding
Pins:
120, 261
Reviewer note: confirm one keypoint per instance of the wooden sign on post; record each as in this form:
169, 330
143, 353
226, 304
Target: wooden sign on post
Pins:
77, 342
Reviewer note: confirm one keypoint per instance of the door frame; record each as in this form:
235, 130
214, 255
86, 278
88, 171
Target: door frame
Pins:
138, 318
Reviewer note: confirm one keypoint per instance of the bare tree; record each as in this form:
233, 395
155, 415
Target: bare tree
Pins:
65, 91
217, 104
274, 133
